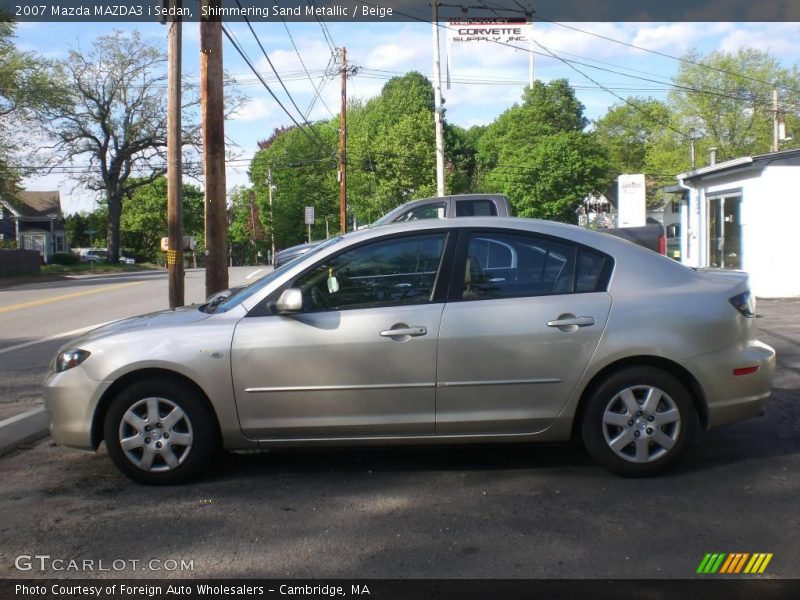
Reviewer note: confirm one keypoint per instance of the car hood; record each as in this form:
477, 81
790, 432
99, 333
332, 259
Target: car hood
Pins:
166, 318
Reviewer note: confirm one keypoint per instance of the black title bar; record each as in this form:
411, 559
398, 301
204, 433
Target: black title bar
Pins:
358, 11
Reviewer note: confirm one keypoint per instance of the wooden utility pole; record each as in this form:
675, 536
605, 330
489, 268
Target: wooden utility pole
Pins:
174, 166
776, 121
437, 98
271, 216
343, 145
213, 120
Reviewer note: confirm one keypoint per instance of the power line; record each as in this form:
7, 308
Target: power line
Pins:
531, 14
318, 90
626, 101
663, 54
271, 93
616, 72
274, 70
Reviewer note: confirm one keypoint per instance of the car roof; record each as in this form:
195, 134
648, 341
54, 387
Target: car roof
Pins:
572, 232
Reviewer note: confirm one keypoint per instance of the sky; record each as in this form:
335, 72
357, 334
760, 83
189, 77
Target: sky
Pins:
486, 79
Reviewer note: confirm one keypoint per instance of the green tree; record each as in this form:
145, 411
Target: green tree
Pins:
732, 105
25, 85
539, 155
303, 168
628, 131
87, 229
391, 147
144, 220
246, 231
113, 116
633, 135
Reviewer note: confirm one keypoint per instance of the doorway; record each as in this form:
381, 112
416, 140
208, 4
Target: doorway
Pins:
724, 232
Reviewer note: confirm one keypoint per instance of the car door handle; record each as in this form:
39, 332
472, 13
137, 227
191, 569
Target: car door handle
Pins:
404, 331
577, 321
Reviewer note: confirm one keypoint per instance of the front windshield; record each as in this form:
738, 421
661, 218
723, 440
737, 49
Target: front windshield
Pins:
390, 216
243, 294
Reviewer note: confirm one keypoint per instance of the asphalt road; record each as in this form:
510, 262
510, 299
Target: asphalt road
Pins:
515, 511
36, 318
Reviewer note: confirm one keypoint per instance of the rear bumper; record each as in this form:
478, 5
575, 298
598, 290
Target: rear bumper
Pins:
731, 398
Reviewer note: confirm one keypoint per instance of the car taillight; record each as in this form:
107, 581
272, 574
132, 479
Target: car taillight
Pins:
745, 371
662, 245
745, 303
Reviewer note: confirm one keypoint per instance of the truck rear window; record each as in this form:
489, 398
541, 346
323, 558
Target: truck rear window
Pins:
476, 208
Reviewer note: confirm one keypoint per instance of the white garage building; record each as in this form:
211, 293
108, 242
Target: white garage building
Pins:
745, 214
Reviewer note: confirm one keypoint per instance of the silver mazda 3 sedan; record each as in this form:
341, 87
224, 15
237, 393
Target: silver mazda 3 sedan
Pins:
446, 331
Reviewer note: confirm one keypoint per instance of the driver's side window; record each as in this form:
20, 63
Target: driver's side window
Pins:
385, 273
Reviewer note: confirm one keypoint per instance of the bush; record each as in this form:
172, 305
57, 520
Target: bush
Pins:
66, 258
8, 244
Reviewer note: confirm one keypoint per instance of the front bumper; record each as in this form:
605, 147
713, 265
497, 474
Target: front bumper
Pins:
731, 398
70, 399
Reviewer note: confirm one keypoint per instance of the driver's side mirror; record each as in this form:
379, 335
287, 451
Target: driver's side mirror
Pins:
290, 301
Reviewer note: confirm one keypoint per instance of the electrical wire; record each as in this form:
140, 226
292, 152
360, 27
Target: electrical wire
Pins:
318, 90
588, 65
274, 70
252, 68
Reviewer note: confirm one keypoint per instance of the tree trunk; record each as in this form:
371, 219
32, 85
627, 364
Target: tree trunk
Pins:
114, 200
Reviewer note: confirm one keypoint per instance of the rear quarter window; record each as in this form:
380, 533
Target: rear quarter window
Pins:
592, 272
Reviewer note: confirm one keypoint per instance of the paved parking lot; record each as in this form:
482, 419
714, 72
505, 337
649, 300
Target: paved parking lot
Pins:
456, 512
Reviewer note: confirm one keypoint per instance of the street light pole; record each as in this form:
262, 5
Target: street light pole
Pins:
437, 98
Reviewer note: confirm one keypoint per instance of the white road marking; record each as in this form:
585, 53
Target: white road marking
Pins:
254, 273
54, 337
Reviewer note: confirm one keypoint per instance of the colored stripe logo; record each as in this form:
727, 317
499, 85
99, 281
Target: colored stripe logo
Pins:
734, 563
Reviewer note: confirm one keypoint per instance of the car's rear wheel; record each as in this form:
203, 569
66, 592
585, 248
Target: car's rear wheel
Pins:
638, 421
158, 431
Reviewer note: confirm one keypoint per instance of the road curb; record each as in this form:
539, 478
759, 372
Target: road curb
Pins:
26, 427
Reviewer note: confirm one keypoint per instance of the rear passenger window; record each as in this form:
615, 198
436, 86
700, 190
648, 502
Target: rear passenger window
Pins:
500, 265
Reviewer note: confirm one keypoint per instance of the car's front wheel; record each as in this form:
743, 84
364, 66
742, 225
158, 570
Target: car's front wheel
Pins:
159, 431
638, 421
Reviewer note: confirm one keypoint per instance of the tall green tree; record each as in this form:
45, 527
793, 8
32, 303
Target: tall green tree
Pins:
629, 130
87, 229
303, 168
731, 105
632, 133
25, 85
113, 115
144, 220
538, 153
247, 233
391, 147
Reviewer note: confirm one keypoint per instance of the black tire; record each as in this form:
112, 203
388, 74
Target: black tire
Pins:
641, 441
189, 439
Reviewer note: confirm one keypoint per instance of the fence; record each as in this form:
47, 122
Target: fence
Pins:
19, 262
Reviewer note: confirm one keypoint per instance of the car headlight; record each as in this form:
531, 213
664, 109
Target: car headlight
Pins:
70, 358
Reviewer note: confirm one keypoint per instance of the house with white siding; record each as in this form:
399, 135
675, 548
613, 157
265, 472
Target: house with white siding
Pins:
745, 214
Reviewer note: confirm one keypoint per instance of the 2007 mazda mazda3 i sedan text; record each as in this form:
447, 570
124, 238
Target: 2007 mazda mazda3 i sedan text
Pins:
463, 330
